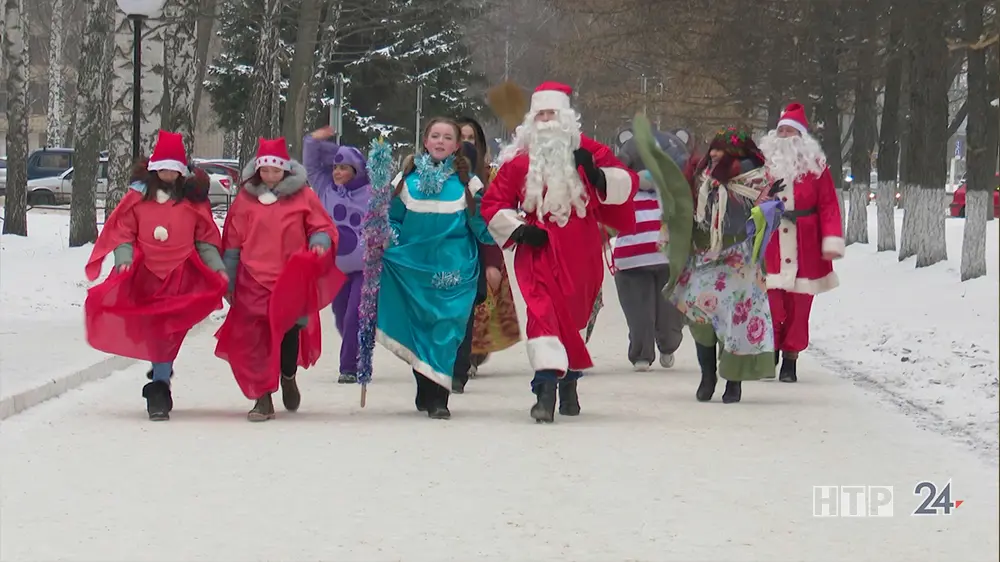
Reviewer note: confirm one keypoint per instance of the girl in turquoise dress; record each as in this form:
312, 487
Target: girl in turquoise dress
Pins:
430, 270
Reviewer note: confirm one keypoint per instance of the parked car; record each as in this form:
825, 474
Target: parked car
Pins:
3, 175
957, 207
228, 175
58, 190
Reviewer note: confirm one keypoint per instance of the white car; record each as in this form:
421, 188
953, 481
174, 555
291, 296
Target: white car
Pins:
58, 190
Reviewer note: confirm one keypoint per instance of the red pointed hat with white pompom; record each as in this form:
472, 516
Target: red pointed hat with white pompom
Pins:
551, 96
168, 153
273, 152
795, 116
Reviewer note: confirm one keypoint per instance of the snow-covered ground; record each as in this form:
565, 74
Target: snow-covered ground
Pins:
920, 336
646, 473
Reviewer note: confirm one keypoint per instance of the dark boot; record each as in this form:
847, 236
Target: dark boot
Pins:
347, 378
423, 399
709, 372
290, 395
787, 372
545, 404
263, 409
569, 401
438, 405
159, 402
777, 357
458, 383
733, 393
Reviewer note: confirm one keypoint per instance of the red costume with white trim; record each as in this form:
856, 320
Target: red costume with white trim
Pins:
561, 280
797, 258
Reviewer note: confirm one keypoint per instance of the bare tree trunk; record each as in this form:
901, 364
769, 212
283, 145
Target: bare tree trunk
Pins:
888, 149
327, 41
982, 153
206, 21
865, 115
180, 54
120, 128
258, 111
91, 112
274, 127
15, 48
300, 78
927, 144
152, 83
57, 122
825, 14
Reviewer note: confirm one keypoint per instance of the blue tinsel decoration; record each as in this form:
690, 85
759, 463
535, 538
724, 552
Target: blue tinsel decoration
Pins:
375, 233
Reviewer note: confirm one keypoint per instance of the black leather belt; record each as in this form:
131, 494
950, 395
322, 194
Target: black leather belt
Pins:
793, 216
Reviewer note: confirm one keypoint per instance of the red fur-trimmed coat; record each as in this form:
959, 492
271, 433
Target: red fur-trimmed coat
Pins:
794, 256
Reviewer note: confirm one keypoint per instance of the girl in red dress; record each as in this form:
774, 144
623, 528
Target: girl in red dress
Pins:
277, 240
168, 273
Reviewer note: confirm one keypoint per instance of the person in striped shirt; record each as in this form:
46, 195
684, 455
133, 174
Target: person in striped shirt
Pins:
642, 267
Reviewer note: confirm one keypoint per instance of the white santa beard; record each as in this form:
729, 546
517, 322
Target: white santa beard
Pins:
553, 186
790, 158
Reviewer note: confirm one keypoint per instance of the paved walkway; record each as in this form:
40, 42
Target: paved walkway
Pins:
646, 473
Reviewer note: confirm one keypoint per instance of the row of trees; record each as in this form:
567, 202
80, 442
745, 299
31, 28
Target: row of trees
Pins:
886, 84
276, 75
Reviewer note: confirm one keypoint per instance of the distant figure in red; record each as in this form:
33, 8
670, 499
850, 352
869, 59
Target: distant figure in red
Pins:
799, 258
277, 239
168, 273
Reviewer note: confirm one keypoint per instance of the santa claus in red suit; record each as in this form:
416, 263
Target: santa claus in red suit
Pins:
568, 186
799, 259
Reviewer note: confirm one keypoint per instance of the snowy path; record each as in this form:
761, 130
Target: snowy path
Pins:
646, 473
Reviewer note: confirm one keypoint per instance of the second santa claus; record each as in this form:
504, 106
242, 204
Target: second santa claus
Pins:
568, 185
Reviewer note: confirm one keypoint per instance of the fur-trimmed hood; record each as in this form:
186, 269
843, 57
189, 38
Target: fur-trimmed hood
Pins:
292, 184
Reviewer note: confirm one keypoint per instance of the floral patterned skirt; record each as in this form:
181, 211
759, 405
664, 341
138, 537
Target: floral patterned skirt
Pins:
496, 327
727, 296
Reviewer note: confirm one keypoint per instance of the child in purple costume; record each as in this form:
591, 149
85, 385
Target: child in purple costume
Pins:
339, 177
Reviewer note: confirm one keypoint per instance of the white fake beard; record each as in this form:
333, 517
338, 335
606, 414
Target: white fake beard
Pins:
553, 186
790, 158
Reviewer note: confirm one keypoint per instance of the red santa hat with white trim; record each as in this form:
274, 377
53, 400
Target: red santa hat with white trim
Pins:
273, 152
168, 153
795, 116
551, 96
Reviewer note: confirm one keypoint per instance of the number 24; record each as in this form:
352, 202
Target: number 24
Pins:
941, 501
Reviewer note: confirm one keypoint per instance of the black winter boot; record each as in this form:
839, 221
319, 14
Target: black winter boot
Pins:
290, 395
289, 365
569, 400
733, 393
423, 399
437, 408
263, 409
787, 372
709, 371
159, 402
458, 383
545, 404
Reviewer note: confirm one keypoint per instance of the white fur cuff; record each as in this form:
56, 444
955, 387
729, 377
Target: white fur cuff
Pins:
502, 225
547, 353
835, 245
619, 184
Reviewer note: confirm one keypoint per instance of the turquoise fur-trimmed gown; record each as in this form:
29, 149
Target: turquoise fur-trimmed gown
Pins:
430, 271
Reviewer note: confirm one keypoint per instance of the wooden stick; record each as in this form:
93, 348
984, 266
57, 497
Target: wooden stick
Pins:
364, 394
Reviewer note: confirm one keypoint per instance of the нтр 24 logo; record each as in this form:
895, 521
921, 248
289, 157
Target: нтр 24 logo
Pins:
935, 503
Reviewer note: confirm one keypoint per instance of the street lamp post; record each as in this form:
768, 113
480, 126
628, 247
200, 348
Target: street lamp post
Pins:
137, 11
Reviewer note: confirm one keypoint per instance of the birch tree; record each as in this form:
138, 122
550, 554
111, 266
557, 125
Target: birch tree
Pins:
258, 119
982, 143
152, 82
888, 141
119, 141
180, 58
15, 48
865, 116
57, 120
92, 118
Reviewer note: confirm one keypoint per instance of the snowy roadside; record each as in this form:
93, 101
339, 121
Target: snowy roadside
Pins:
920, 336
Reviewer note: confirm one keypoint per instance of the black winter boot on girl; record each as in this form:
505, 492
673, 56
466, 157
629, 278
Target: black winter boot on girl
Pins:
290, 395
787, 372
159, 402
709, 371
733, 393
263, 409
544, 410
437, 407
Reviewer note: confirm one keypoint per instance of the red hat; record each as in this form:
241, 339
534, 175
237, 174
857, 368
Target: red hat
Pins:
168, 153
273, 152
795, 116
550, 96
